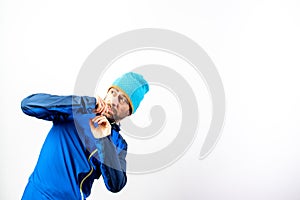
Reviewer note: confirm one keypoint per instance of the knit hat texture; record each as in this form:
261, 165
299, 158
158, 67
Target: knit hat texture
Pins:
134, 86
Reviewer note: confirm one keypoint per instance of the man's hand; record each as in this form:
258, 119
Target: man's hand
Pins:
103, 129
102, 107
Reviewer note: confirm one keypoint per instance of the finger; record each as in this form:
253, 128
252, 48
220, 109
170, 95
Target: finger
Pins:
109, 110
97, 118
99, 105
105, 109
103, 106
98, 102
97, 109
103, 123
108, 107
101, 120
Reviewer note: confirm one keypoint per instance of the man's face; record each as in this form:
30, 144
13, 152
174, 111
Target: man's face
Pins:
119, 104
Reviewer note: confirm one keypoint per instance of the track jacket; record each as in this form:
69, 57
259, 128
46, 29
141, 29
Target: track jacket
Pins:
71, 158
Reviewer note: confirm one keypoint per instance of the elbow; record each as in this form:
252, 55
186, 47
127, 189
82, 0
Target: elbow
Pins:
117, 187
24, 105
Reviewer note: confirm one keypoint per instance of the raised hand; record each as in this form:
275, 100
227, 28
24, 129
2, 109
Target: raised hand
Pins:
103, 129
102, 108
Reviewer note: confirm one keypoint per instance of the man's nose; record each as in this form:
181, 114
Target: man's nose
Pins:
115, 100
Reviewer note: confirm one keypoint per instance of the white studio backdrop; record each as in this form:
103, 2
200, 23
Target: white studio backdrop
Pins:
254, 46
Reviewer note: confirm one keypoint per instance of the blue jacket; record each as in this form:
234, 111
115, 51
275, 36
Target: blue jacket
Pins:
71, 158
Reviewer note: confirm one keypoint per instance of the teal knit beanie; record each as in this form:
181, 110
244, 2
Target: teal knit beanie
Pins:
134, 86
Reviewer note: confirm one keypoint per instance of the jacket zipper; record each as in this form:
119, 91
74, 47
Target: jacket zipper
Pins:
91, 171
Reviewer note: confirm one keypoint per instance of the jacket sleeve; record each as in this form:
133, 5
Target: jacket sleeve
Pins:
57, 108
112, 164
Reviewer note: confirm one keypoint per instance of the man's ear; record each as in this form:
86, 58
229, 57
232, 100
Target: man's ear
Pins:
130, 111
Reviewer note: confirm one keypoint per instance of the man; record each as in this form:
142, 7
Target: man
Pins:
84, 141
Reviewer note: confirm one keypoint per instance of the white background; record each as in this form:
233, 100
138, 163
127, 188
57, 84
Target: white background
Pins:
255, 46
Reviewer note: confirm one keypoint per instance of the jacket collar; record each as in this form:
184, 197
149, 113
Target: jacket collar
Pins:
114, 125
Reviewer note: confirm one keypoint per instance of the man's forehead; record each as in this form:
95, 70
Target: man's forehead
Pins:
117, 90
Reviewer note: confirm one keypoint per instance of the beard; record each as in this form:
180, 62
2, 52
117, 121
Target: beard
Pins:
112, 117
